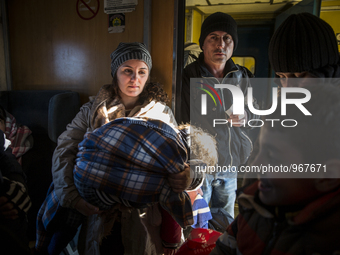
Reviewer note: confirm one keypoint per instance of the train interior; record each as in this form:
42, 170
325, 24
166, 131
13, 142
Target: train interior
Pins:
54, 55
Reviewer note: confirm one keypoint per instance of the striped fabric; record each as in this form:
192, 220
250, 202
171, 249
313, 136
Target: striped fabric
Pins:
201, 212
17, 194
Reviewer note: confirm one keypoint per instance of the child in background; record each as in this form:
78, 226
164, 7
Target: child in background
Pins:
280, 215
203, 152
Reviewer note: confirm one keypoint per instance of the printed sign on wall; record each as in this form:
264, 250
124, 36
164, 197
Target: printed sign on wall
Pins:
116, 23
87, 9
119, 6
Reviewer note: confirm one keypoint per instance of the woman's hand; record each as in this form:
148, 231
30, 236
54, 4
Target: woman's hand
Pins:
86, 208
180, 181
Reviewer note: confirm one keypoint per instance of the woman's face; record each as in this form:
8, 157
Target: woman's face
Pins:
132, 76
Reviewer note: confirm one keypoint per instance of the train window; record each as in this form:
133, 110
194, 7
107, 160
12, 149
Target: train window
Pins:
248, 62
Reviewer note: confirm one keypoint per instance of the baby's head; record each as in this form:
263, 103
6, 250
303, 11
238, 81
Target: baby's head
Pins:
311, 150
201, 144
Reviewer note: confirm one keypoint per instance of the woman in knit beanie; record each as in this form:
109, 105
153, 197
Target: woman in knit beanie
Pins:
64, 209
127, 52
304, 46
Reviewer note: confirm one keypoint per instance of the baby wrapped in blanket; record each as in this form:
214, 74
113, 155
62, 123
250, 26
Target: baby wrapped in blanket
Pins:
125, 161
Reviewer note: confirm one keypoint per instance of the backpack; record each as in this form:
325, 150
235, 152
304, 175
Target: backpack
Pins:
191, 53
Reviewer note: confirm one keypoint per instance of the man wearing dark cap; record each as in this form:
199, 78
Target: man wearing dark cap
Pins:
218, 41
304, 46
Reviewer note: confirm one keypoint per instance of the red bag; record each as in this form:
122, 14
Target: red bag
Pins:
201, 241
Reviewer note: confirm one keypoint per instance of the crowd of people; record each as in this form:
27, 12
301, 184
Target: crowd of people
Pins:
125, 173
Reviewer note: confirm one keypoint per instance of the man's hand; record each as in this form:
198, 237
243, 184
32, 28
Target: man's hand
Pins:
86, 208
238, 120
7, 209
180, 181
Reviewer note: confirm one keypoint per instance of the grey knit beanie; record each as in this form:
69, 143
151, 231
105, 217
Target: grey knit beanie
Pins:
127, 51
303, 42
219, 21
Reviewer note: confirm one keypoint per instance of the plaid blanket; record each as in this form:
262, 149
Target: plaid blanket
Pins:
18, 137
129, 158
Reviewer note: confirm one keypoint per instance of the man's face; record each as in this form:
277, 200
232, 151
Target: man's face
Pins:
275, 190
286, 79
217, 48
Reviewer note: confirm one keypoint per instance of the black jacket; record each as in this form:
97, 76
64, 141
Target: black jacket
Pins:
233, 144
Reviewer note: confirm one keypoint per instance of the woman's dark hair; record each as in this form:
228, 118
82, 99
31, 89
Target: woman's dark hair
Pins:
151, 91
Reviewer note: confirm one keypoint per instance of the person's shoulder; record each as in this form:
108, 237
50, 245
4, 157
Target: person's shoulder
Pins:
245, 71
86, 107
193, 69
193, 65
197, 64
89, 103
